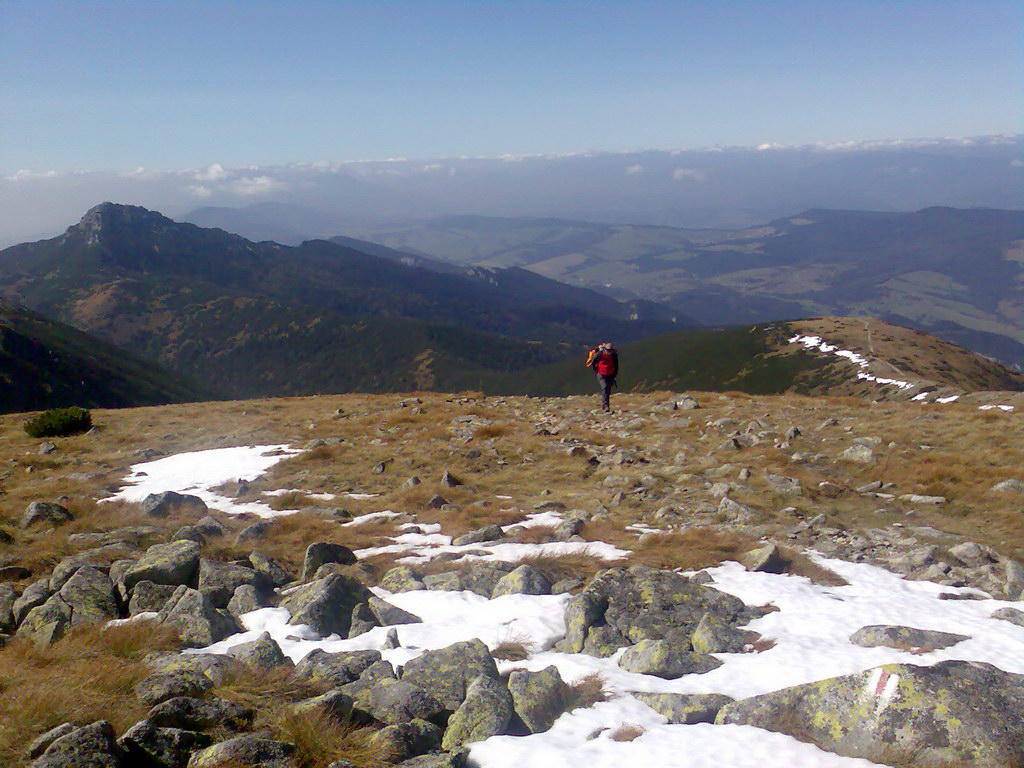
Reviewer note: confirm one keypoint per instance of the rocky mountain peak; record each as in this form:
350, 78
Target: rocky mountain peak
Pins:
110, 217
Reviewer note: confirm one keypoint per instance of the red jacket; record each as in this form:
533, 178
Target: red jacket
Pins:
606, 362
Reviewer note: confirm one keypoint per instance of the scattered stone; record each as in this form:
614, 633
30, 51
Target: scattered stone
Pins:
1012, 615
904, 638
362, 620
210, 526
713, 635
783, 484
255, 532
263, 653
246, 750
217, 667
158, 688
401, 578
666, 659
35, 594
871, 487
321, 553
336, 668
196, 620
487, 533
194, 714
326, 605
45, 512
389, 615
173, 503
148, 744
174, 563
92, 746
46, 448
766, 559
1012, 485
399, 701
245, 599
218, 581
446, 673
524, 580
486, 711
404, 740
735, 512
277, 576
90, 596
42, 742
46, 623
538, 697
915, 498
448, 480
337, 704
972, 554
685, 708
858, 454
437, 501
412, 482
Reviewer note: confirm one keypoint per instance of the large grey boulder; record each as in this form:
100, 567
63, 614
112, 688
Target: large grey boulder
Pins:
198, 623
45, 513
194, 714
90, 595
539, 698
685, 708
667, 659
336, 668
389, 615
446, 673
487, 533
172, 503
277, 575
218, 581
263, 652
147, 596
245, 600
734, 511
43, 741
401, 578
36, 593
326, 604
145, 744
46, 623
219, 668
174, 563
248, 750
162, 687
404, 740
92, 746
336, 703
904, 638
950, 715
524, 580
486, 711
322, 552
713, 635
7, 598
399, 701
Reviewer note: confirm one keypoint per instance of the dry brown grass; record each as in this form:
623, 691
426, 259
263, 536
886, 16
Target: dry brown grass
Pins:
88, 675
514, 648
320, 740
575, 565
627, 732
799, 564
586, 692
691, 549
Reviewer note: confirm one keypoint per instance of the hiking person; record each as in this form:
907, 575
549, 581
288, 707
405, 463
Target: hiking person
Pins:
604, 359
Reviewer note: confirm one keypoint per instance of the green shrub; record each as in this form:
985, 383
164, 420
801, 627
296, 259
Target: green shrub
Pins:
59, 422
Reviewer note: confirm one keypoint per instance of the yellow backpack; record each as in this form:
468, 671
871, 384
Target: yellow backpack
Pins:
590, 357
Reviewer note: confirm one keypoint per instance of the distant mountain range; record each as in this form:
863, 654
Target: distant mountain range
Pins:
957, 273
250, 319
46, 364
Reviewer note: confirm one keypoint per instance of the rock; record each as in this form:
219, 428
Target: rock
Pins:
189, 533
404, 740
454, 759
198, 623
35, 594
46, 447
666, 659
901, 714
158, 688
337, 668
713, 635
539, 698
972, 554
90, 595
7, 599
446, 673
858, 454
377, 674
524, 580
45, 513
247, 750
399, 701
783, 484
210, 527
92, 746
391, 640
148, 596
255, 532
195, 714
487, 533
1012, 615
173, 503
485, 712
412, 482
323, 552
46, 623
1012, 485
904, 638
43, 741
151, 745
443, 582
401, 578
735, 512
219, 668
244, 600
437, 501
218, 581
273, 572
914, 498
13, 572
685, 403
1014, 580
362, 620
263, 652
448, 480
174, 563
326, 605
337, 704
685, 708
389, 615
766, 559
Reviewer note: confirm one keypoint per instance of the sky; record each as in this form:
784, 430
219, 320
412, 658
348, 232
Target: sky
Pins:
114, 86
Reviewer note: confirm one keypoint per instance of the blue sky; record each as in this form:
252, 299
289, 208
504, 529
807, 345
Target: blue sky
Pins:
117, 85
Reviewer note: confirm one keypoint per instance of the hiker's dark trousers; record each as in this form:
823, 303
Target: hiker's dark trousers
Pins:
605, 383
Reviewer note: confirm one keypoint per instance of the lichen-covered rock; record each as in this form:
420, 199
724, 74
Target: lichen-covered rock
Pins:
363, 620
766, 559
401, 741
538, 697
210, 527
716, 636
904, 638
666, 659
45, 513
174, 563
160, 687
524, 580
323, 552
401, 578
197, 622
486, 711
454, 759
487, 533
46, 623
685, 708
172, 503
263, 652
218, 667
446, 673
245, 599
388, 615
192, 714
246, 750
7, 598
277, 575
35, 594
91, 746
147, 596
399, 701
377, 674
450, 581
336, 703
90, 595
336, 668
151, 745
1012, 615
43, 741
604, 641
858, 454
326, 605
218, 581
950, 715
733, 511
481, 576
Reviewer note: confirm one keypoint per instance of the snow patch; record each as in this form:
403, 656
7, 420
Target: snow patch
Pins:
818, 343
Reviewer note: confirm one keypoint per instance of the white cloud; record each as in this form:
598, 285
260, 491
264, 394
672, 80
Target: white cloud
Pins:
214, 172
688, 173
27, 175
200, 190
1017, 163
255, 185
634, 170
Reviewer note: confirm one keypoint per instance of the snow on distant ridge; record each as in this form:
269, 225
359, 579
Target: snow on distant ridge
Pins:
816, 342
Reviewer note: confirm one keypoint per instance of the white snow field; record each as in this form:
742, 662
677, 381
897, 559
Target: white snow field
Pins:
810, 629
816, 342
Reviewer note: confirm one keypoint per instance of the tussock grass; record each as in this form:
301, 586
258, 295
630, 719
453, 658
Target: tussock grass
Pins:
567, 566
513, 648
691, 549
627, 732
86, 676
587, 691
